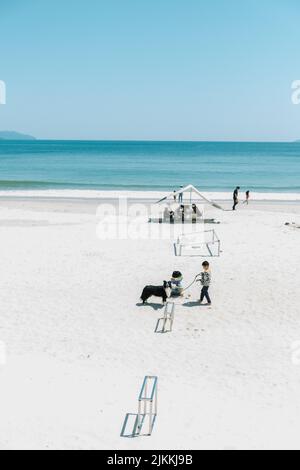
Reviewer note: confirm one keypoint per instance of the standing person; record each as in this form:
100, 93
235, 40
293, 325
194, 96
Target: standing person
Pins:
175, 196
181, 196
205, 280
236, 197
247, 198
194, 214
172, 215
182, 213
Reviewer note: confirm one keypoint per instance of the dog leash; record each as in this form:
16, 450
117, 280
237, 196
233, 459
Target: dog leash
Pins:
195, 280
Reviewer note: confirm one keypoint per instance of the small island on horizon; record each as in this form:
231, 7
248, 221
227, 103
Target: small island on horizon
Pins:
12, 135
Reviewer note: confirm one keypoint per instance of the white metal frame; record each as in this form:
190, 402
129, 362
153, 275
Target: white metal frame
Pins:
147, 409
169, 314
147, 405
168, 318
183, 242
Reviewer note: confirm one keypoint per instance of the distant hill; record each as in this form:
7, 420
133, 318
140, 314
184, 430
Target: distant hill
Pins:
11, 135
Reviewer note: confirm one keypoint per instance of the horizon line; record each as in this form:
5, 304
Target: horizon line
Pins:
35, 139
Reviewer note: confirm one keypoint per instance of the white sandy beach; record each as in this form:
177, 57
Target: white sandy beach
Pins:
78, 346
141, 195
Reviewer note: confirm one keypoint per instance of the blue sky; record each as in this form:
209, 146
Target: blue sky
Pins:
151, 69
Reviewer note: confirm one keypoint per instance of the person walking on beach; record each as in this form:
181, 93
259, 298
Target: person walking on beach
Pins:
247, 198
236, 197
205, 280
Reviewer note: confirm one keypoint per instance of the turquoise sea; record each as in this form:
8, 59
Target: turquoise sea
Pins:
261, 167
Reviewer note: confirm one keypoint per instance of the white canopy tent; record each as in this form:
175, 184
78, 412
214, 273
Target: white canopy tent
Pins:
183, 206
193, 196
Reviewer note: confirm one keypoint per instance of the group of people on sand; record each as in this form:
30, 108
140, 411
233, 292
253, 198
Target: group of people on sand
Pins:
180, 196
182, 212
236, 194
205, 278
236, 197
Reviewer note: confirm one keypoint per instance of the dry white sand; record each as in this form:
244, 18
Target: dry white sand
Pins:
78, 346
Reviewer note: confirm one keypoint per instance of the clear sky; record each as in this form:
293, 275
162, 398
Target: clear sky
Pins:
151, 69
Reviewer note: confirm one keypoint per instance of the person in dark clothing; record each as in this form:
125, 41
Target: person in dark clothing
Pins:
205, 280
236, 197
182, 213
247, 198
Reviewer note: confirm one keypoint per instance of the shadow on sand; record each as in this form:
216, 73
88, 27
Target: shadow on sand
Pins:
152, 305
192, 304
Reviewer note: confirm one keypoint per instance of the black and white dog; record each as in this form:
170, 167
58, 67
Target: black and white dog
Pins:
157, 291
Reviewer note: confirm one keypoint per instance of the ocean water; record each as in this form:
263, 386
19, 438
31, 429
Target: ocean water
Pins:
158, 166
